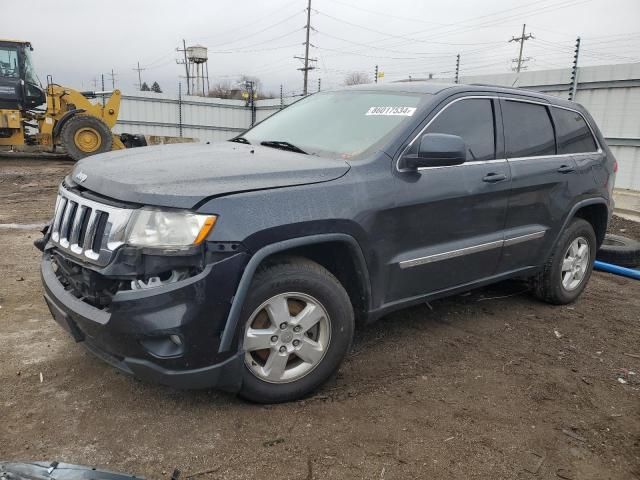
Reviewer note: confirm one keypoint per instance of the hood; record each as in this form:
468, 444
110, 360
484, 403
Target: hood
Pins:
183, 175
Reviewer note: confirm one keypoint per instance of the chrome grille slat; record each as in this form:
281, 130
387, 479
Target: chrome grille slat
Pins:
76, 223
76, 227
61, 204
91, 230
66, 220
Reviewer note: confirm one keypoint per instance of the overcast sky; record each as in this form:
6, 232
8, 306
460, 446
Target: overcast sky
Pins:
76, 41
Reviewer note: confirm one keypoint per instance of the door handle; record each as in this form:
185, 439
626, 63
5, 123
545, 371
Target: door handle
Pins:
566, 169
494, 177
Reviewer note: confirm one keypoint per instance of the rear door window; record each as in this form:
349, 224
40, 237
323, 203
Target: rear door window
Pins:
471, 119
574, 135
528, 129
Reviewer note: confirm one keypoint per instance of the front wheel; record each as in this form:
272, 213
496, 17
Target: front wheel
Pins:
84, 135
298, 326
567, 271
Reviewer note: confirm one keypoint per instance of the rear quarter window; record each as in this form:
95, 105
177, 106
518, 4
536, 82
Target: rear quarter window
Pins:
573, 133
528, 129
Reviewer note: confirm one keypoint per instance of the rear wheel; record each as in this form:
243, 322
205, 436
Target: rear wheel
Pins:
567, 271
298, 326
84, 135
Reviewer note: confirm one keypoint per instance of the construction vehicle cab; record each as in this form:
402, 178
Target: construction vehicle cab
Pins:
19, 85
69, 120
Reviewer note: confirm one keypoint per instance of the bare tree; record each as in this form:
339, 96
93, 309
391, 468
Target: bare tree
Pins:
257, 84
233, 89
222, 89
357, 78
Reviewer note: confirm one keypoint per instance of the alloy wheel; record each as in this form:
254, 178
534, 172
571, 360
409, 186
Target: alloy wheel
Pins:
286, 337
575, 263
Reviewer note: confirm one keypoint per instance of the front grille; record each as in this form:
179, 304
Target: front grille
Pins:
87, 229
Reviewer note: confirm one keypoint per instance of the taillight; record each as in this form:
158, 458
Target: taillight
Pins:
615, 166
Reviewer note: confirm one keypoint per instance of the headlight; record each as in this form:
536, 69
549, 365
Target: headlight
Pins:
159, 228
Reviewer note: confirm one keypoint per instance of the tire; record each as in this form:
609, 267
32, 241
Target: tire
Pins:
620, 250
297, 285
549, 286
84, 135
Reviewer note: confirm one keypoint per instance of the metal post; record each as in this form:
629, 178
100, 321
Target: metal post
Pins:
281, 98
457, 80
375, 75
574, 72
180, 108
319, 83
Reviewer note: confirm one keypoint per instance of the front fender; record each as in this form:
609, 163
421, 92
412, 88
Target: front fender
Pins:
233, 318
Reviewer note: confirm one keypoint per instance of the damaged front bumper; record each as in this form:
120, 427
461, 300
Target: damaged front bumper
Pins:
168, 334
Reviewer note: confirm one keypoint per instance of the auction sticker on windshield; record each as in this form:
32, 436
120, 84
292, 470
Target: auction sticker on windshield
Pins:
401, 111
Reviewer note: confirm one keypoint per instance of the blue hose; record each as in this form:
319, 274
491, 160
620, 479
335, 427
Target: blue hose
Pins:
611, 268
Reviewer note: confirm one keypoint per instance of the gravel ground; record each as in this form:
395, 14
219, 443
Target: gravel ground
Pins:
491, 384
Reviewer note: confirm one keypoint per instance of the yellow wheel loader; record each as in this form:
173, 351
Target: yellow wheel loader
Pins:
70, 120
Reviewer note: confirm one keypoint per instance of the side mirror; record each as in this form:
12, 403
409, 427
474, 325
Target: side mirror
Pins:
436, 150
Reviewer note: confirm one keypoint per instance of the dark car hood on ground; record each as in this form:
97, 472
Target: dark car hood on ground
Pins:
183, 175
57, 471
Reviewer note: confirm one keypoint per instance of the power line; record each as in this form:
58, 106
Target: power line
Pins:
404, 51
241, 48
257, 32
499, 17
266, 49
248, 25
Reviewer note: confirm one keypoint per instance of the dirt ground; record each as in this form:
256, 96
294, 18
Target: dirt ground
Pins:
490, 384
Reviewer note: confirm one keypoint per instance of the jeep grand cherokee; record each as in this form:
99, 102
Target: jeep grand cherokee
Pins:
245, 265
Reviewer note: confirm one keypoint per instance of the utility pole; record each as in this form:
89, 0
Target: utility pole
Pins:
457, 69
375, 75
139, 76
306, 58
186, 65
319, 83
281, 98
574, 72
521, 39
113, 79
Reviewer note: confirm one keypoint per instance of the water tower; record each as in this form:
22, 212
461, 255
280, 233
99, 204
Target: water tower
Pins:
198, 69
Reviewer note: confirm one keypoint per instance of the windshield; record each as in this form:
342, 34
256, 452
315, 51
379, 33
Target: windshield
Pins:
345, 123
30, 75
9, 62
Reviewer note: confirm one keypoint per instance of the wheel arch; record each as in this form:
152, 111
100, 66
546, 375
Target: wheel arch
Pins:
57, 128
353, 276
596, 212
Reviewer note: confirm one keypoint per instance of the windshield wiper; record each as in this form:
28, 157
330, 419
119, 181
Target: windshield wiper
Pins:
240, 140
282, 146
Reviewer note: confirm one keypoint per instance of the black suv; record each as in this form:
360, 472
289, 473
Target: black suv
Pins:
245, 265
